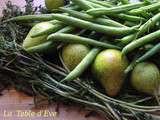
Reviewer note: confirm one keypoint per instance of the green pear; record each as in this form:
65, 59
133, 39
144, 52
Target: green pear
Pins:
145, 77
31, 42
108, 68
72, 54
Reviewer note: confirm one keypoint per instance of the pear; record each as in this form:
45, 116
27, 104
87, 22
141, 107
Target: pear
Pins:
54, 4
145, 78
31, 42
72, 54
108, 68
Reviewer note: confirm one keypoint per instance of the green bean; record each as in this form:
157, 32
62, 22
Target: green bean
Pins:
86, 5
84, 16
130, 67
95, 27
29, 24
71, 6
129, 17
82, 4
115, 10
127, 39
144, 28
149, 8
42, 17
141, 41
82, 66
42, 48
49, 45
149, 54
124, 1
94, 5
103, 3
69, 38
130, 24
132, 64
66, 29
55, 28
149, 1
77, 14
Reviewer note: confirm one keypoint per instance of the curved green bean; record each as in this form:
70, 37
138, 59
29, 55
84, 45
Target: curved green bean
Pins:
149, 54
95, 27
141, 41
82, 66
69, 38
84, 16
115, 10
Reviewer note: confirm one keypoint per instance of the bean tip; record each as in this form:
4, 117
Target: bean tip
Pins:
52, 36
6, 21
33, 35
117, 40
62, 8
123, 54
63, 80
137, 61
90, 11
127, 70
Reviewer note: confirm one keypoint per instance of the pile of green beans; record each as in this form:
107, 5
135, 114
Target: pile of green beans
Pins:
127, 27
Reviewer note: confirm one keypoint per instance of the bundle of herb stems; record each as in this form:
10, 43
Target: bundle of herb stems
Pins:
43, 77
